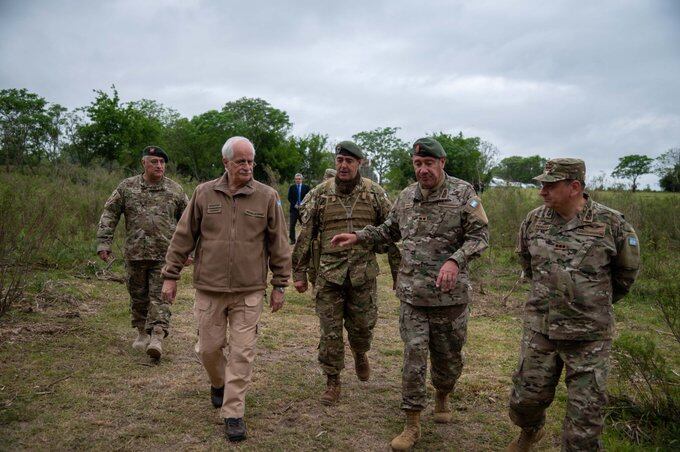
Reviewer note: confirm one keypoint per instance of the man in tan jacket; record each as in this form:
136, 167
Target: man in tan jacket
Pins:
237, 228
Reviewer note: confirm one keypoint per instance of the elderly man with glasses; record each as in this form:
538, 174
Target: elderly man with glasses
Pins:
237, 227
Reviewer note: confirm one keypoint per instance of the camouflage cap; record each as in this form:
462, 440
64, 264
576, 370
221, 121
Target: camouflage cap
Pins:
349, 148
562, 169
428, 147
155, 151
329, 173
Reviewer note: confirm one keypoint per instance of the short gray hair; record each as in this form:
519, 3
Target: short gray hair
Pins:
228, 148
299, 174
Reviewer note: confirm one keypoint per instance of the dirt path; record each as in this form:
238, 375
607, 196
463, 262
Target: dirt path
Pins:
70, 380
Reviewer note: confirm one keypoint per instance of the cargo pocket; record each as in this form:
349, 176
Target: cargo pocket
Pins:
253, 307
201, 306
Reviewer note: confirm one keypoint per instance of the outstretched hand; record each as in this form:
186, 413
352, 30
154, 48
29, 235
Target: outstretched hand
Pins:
344, 239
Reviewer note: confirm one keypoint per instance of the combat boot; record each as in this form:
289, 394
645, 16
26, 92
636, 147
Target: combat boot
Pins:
155, 348
332, 393
216, 396
411, 433
142, 340
442, 412
235, 429
526, 440
361, 366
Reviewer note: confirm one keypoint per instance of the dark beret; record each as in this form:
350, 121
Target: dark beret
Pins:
155, 151
349, 148
428, 147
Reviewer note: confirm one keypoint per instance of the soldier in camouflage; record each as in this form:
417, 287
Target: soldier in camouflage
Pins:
442, 225
581, 257
312, 269
346, 280
152, 204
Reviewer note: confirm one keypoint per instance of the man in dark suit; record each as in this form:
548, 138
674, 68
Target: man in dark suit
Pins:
296, 193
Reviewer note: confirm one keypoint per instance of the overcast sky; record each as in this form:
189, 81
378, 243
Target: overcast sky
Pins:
589, 79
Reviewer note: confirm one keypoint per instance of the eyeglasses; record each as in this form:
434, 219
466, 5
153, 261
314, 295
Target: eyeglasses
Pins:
244, 162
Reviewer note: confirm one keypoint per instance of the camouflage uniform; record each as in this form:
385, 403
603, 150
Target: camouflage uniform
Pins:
447, 224
578, 268
151, 214
345, 284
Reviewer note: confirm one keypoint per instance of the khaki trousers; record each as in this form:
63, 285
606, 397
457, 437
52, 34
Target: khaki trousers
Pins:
240, 313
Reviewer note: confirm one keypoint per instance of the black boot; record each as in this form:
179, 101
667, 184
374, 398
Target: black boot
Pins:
216, 396
235, 429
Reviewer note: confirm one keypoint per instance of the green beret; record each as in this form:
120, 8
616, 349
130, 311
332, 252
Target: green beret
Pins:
349, 148
428, 147
563, 169
155, 151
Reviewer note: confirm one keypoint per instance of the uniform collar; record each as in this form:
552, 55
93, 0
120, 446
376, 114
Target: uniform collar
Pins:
441, 191
157, 186
222, 185
357, 188
585, 216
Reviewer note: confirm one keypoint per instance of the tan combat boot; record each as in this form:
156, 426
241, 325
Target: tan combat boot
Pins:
332, 393
411, 433
142, 340
155, 348
442, 412
526, 439
361, 366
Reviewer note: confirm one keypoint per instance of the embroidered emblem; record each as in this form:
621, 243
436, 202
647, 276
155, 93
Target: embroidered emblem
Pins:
474, 203
250, 213
214, 208
632, 241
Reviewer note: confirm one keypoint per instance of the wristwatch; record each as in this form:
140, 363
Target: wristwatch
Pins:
281, 289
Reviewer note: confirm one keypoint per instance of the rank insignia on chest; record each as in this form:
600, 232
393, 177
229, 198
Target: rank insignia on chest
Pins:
214, 208
543, 227
560, 246
422, 218
632, 241
593, 229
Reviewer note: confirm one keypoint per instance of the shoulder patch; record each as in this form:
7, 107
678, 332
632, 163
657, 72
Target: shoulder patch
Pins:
474, 207
632, 241
278, 202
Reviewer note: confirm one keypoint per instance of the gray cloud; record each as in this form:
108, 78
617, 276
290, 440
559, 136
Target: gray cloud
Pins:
597, 80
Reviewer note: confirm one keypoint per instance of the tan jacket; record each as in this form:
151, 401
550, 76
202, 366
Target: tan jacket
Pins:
235, 238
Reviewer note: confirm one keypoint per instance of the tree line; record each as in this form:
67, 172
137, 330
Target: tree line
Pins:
112, 133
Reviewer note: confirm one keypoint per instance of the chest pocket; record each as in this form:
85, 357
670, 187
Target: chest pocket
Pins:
446, 219
407, 221
592, 255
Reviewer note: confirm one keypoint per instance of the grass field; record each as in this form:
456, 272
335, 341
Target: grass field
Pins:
69, 378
